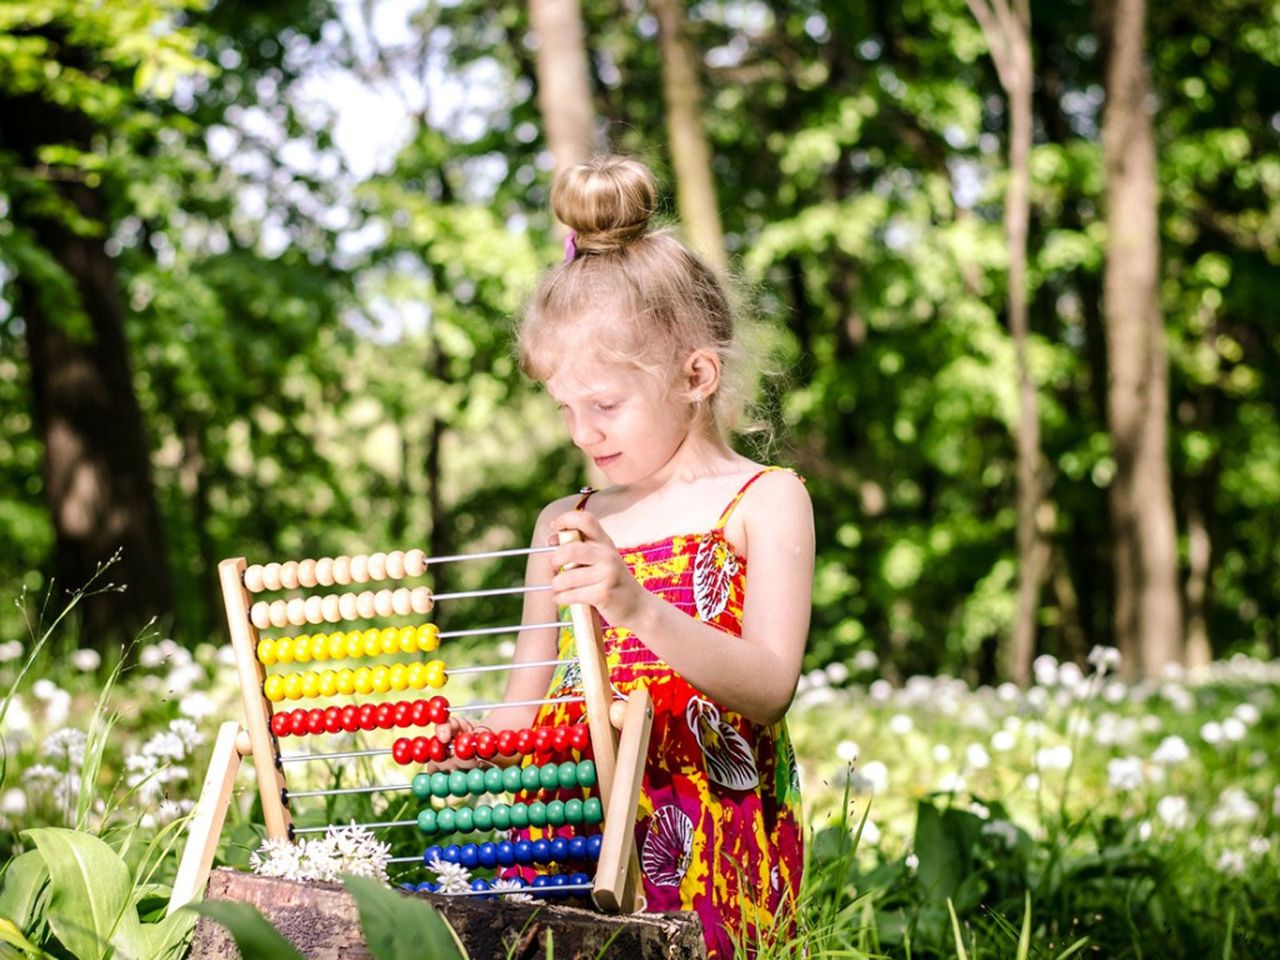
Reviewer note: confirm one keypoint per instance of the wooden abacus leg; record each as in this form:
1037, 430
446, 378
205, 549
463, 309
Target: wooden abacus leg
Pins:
617, 886
210, 814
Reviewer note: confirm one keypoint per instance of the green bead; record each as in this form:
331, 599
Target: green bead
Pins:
511, 779
549, 777
501, 816
475, 781
482, 817
439, 784
493, 780
587, 773
445, 820
530, 778
555, 814
427, 820
519, 816
458, 783
573, 811
568, 774
538, 814
422, 786
592, 810
462, 820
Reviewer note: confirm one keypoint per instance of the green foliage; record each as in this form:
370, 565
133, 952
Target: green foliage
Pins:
255, 938
397, 927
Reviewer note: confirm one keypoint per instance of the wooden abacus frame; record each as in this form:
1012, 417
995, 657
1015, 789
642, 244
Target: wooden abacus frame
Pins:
619, 739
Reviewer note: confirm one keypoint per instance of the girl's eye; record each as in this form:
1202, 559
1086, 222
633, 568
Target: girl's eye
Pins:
606, 407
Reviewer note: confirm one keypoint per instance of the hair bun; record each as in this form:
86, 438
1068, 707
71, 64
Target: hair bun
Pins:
608, 202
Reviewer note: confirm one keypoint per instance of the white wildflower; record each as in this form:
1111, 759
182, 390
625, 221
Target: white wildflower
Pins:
165, 745
57, 708
187, 732
870, 833
277, 858
865, 661
846, 751
1259, 846
1174, 811
1234, 806
1045, 668
1233, 729
1145, 830
880, 691
1008, 693
171, 810
1104, 659
1070, 676
359, 851
86, 660
1053, 758
941, 753
1172, 751
952, 783
44, 689
501, 885
197, 706
1179, 697
506, 649
40, 773
452, 877
979, 811
1211, 732
1173, 671
1032, 782
66, 744
1115, 692
1002, 741
872, 777
1002, 830
14, 802
912, 862
1231, 862
1125, 773
1247, 713
837, 672
976, 756
10, 651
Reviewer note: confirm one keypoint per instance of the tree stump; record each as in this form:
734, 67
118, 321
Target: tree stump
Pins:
322, 922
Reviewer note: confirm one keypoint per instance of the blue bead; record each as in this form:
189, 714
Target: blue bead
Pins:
578, 848
469, 856
542, 851
524, 852
506, 851
541, 882
479, 883
452, 853
560, 849
578, 879
488, 854
560, 880
426, 887
408, 886
431, 853
593, 846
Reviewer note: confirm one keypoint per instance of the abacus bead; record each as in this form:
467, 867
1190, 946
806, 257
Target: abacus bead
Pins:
259, 614
541, 883
398, 677
301, 647
353, 643
506, 853
293, 686
359, 568
560, 739
382, 604
435, 673
314, 609
401, 602
405, 640
560, 880
487, 854
395, 564
446, 820
486, 745
586, 773
577, 847
364, 604
555, 813
451, 853
439, 709
580, 880
284, 650
347, 605
432, 853
306, 573
298, 722
421, 786
529, 778
381, 682
296, 611
415, 563
371, 640
511, 779
581, 737
342, 569
482, 817
389, 640
501, 816
518, 815
289, 574
479, 884
458, 783
573, 811
427, 820
253, 578
421, 600
350, 718
542, 851
335, 645
362, 680
280, 725
420, 750
592, 810
506, 742
524, 852
548, 777
542, 739
475, 781
524, 741
377, 566
267, 652
568, 774
537, 814
315, 721
328, 683
493, 780
438, 750
439, 784
271, 576
463, 748
427, 637
559, 849
279, 611
416, 676
463, 821
593, 846
324, 571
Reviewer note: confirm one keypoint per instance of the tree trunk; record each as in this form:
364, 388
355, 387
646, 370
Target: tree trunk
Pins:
1148, 623
690, 152
97, 467
564, 93
1008, 34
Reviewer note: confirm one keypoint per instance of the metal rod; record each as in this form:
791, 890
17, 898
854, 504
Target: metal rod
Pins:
496, 592
371, 826
512, 552
513, 628
344, 791
458, 671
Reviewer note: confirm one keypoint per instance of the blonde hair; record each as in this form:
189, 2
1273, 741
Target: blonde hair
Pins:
636, 295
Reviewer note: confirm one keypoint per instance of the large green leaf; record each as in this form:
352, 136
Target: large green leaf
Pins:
255, 938
397, 927
89, 909
24, 879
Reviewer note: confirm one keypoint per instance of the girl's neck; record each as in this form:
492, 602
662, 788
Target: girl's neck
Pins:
701, 454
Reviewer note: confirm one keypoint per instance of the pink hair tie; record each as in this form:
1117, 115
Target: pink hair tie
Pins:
571, 246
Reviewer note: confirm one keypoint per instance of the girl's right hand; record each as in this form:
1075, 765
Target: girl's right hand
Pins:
445, 733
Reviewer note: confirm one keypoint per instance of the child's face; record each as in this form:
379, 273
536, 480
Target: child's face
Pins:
626, 420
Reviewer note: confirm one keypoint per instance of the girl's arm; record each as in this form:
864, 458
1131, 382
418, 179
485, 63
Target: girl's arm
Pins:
755, 674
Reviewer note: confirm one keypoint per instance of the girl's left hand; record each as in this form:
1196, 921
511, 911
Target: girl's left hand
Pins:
597, 574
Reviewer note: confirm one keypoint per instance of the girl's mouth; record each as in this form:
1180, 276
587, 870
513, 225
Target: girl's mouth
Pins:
605, 461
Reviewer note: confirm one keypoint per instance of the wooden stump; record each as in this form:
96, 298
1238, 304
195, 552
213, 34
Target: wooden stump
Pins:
322, 922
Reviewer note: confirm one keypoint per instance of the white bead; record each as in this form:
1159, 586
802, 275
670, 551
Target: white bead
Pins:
261, 615
401, 602
297, 611
347, 606
415, 563
289, 575
359, 568
315, 609
395, 564
422, 600
342, 569
364, 604
271, 576
377, 566
279, 613
324, 571
329, 607
307, 573
382, 603
253, 578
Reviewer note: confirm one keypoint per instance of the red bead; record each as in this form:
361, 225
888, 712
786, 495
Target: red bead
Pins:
280, 724
542, 739
439, 710
401, 713
315, 721
350, 718
438, 750
506, 742
298, 722
486, 745
581, 736
464, 746
402, 751
333, 719
560, 739
524, 741
420, 712
367, 711
420, 750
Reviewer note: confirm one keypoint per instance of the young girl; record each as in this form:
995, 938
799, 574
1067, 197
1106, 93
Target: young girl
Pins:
633, 337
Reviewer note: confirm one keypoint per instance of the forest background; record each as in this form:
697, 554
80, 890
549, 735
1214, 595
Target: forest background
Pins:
259, 264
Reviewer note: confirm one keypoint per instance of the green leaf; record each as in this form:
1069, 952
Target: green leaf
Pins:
24, 879
255, 938
167, 939
941, 862
397, 927
89, 909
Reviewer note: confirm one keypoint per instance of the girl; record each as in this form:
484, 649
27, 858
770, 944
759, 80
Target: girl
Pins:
633, 337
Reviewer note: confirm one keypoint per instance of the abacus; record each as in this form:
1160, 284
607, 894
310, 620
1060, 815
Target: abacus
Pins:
610, 746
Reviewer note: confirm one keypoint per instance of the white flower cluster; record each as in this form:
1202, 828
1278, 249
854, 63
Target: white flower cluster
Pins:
160, 761
452, 877
350, 849
184, 673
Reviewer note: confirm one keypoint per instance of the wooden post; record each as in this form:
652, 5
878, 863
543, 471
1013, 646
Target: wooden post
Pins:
617, 872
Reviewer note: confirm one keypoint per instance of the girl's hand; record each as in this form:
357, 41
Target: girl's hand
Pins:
445, 732
592, 572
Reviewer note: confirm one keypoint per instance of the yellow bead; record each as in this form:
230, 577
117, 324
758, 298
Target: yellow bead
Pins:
274, 689
372, 643
406, 640
355, 643
381, 682
328, 683
435, 673
267, 652
363, 680
319, 647
337, 645
389, 639
396, 677
284, 650
346, 682
302, 649
310, 684
293, 686
428, 637
417, 676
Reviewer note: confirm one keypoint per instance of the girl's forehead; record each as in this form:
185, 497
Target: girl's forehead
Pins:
584, 375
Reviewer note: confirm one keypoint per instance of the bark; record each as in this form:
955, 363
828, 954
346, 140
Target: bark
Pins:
690, 152
1008, 33
1147, 616
564, 94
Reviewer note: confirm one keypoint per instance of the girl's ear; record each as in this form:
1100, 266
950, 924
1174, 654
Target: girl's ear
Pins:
702, 372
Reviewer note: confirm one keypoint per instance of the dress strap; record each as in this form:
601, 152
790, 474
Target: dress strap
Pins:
724, 517
586, 495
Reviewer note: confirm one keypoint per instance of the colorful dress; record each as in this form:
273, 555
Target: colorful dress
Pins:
718, 828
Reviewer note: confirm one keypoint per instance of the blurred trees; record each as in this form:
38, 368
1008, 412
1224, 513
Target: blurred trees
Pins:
322, 354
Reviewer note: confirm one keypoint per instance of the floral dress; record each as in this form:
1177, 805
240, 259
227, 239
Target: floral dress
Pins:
718, 827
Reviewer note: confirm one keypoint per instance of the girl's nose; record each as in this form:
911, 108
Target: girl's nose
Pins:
585, 433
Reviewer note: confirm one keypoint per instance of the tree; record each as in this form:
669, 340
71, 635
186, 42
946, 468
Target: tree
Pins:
1148, 623
564, 93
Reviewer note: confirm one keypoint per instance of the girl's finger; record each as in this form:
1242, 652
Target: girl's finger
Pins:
578, 553
573, 579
